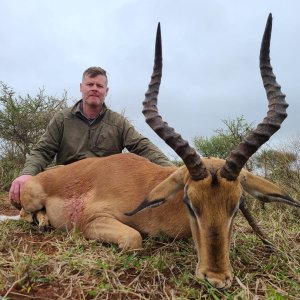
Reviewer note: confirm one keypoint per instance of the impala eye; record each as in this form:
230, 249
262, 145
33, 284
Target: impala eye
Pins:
186, 202
242, 199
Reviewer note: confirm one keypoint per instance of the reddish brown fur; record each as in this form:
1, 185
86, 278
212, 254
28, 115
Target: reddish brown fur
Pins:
94, 194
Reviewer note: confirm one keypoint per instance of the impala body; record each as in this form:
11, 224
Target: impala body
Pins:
118, 198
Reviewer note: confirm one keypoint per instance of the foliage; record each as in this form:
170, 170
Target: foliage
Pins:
22, 121
9, 167
215, 146
224, 140
274, 161
282, 165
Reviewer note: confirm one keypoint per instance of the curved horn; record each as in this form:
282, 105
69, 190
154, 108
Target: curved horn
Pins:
190, 157
271, 123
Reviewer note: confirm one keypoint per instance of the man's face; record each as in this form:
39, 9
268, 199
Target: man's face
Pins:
94, 90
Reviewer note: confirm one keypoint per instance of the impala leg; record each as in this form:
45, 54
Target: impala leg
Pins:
40, 218
43, 220
26, 216
111, 230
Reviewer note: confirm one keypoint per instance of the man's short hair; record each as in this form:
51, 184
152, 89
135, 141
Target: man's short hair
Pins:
94, 72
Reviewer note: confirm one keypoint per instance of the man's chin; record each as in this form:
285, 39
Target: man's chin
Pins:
93, 105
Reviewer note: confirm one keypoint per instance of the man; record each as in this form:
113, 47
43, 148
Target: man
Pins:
86, 130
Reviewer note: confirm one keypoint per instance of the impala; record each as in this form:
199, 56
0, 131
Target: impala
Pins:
117, 198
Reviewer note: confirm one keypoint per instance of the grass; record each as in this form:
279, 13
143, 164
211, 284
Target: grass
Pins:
64, 265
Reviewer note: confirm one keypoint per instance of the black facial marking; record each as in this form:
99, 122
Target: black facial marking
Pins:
213, 233
214, 242
190, 210
186, 202
215, 181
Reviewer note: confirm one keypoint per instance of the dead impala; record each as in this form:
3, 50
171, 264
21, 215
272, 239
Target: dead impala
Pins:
102, 197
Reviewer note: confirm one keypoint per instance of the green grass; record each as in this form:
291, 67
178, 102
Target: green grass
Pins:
61, 265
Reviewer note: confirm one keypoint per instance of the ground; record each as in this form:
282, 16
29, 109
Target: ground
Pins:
6, 208
64, 265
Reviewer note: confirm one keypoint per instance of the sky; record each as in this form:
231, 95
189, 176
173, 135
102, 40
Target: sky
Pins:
210, 53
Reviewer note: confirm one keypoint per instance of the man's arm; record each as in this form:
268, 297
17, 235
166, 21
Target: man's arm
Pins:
38, 159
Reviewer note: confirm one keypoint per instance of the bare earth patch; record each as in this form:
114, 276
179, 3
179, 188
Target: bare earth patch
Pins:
64, 265
6, 208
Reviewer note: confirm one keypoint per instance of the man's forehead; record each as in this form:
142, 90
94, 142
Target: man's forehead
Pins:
98, 78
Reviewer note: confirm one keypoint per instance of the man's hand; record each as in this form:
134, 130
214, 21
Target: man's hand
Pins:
15, 189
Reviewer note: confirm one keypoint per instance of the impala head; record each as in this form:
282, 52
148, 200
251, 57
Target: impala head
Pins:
213, 187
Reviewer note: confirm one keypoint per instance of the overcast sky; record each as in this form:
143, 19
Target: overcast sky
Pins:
210, 51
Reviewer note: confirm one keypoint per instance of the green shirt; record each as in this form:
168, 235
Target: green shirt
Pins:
70, 137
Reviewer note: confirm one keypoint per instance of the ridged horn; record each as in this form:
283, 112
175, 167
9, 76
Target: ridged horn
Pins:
189, 156
270, 124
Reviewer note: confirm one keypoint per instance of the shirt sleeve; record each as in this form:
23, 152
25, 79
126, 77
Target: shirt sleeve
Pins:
136, 143
46, 148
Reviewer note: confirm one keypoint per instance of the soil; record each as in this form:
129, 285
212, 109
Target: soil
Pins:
6, 208
41, 291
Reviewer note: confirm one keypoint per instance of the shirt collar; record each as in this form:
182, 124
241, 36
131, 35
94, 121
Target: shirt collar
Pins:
77, 110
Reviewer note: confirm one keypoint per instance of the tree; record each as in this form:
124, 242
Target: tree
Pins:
22, 122
274, 161
225, 140
282, 166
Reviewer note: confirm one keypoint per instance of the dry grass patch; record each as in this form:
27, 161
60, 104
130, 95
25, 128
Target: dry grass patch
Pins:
61, 265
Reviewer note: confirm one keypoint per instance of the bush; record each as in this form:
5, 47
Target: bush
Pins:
225, 140
22, 121
282, 165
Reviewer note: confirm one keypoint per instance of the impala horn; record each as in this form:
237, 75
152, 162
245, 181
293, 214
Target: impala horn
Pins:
271, 123
189, 156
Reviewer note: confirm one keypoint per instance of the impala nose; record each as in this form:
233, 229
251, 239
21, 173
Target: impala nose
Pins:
220, 280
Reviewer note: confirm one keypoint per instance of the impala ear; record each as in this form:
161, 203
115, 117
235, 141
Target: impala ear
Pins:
162, 192
146, 204
264, 190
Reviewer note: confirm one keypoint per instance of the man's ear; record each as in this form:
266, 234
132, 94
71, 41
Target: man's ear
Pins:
162, 192
264, 190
